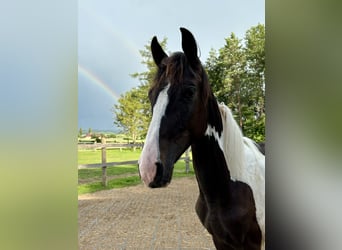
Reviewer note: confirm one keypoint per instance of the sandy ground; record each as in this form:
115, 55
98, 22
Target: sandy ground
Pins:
142, 218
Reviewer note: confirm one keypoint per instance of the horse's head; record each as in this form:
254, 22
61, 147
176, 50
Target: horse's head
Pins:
178, 97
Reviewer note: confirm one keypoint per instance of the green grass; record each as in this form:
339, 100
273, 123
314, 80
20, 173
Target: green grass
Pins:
115, 155
116, 183
97, 172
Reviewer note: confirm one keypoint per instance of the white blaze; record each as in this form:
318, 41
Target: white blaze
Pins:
150, 153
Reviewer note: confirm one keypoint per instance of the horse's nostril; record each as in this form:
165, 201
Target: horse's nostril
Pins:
159, 173
158, 180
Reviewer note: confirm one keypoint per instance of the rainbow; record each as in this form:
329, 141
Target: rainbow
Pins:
109, 28
97, 81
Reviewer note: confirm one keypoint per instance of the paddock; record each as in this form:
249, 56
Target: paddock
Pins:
142, 218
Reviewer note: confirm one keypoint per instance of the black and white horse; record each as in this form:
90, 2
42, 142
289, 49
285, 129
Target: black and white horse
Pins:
230, 169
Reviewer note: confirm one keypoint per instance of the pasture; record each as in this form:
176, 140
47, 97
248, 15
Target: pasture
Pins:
89, 180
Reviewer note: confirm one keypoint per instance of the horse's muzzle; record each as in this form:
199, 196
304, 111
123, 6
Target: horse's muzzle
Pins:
162, 178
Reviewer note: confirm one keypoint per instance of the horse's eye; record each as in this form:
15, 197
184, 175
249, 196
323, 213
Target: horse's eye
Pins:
189, 93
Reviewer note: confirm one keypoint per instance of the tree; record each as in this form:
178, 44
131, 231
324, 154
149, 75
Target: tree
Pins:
129, 113
133, 111
80, 133
146, 77
226, 72
236, 73
255, 54
234, 61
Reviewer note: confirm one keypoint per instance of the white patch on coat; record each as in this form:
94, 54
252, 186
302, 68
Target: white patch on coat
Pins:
244, 160
150, 153
212, 132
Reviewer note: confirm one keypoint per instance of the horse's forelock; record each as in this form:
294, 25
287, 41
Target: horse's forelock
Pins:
173, 70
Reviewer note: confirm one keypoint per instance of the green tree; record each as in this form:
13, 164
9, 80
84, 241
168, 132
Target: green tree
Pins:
226, 72
234, 61
80, 133
133, 111
129, 113
236, 73
146, 77
255, 72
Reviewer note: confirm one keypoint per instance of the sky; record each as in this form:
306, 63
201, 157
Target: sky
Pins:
111, 33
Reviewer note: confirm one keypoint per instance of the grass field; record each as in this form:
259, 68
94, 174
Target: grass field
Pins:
94, 156
118, 176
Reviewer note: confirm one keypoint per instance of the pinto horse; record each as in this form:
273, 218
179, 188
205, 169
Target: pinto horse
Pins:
229, 168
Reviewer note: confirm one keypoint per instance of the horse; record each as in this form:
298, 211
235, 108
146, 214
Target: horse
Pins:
229, 168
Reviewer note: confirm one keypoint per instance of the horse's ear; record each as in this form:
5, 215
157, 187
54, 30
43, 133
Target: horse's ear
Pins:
189, 46
158, 53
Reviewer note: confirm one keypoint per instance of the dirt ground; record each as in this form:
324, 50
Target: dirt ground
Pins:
142, 218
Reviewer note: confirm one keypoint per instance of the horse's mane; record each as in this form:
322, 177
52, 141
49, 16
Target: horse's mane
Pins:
233, 144
245, 162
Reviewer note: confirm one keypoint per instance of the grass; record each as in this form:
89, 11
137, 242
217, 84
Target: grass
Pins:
130, 172
113, 155
97, 172
115, 183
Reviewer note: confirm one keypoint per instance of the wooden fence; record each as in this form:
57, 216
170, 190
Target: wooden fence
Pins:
109, 145
104, 164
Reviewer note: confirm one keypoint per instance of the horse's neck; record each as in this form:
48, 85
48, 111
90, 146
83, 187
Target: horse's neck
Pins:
211, 170
209, 160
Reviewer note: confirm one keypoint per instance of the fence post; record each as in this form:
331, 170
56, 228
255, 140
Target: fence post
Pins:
187, 160
104, 167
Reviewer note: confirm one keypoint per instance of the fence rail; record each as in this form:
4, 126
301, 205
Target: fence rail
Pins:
108, 164
109, 145
104, 164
